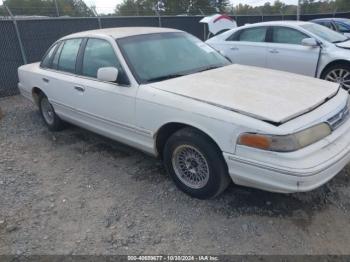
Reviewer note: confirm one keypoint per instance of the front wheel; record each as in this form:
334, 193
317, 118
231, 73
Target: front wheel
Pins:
53, 122
196, 164
339, 74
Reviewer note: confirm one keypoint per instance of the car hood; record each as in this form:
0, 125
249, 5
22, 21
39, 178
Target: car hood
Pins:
269, 95
345, 45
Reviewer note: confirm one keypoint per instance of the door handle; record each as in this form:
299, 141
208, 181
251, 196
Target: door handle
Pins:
234, 48
273, 51
79, 88
46, 80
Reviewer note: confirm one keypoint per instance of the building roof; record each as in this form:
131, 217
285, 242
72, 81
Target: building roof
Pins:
121, 32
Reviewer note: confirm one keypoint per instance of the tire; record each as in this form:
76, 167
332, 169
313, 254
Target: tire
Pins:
192, 153
53, 122
338, 73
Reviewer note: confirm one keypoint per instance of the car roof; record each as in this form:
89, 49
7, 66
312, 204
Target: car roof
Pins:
276, 23
332, 18
121, 32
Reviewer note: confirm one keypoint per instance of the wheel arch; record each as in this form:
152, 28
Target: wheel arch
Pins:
333, 63
36, 91
168, 129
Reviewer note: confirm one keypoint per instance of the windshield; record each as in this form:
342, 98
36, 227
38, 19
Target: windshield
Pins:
325, 33
345, 21
156, 57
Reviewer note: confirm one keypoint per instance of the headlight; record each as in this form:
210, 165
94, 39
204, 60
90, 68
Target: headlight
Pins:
285, 143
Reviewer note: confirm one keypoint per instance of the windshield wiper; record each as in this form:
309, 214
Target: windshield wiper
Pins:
162, 78
167, 77
208, 68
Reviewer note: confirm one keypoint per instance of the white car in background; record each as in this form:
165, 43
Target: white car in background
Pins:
167, 93
341, 25
298, 47
218, 24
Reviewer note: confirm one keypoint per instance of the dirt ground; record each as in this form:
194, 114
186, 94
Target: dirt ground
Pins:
75, 192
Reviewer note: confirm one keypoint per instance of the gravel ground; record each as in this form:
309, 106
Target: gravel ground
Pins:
75, 192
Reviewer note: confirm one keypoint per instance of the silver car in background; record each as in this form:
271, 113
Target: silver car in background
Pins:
298, 47
341, 25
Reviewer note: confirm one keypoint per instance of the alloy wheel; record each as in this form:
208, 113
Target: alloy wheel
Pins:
47, 111
190, 166
341, 76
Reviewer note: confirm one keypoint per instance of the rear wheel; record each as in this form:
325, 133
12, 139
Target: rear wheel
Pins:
339, 73
48, 114
196, 164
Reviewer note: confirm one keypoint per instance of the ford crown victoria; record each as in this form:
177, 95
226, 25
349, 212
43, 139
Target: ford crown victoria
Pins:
167, 93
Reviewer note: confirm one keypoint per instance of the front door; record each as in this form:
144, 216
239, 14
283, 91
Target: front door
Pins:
105, 106
247, 47
285, 52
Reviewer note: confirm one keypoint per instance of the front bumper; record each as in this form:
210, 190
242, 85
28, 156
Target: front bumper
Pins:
275, 179
299, 171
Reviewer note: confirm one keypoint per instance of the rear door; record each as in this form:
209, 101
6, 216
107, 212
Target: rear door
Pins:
60, 80
247, 46
285, 51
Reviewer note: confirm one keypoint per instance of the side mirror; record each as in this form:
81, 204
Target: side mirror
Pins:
107, 74
311, 42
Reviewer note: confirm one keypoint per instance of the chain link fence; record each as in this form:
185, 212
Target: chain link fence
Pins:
26, 40
10, 59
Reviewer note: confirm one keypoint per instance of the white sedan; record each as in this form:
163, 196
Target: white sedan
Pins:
167, 93
298, 47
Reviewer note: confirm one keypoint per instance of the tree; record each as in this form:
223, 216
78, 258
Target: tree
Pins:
80, 8
266, 8
243, 9
342, 5
3, 11
221, 5
128, 7
307, 7
135, 7
202, 7
47, 7
176, 7
278, 7
172, 7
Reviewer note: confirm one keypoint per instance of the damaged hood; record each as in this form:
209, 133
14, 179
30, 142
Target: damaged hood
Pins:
268, 95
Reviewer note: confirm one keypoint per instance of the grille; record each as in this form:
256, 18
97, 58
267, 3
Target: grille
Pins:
339, 118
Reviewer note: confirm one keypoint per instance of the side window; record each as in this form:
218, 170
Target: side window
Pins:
57, 56
342, 28
46, 62
234, 36
257, 34
285, 35
99, 53
68, 56
326, 24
